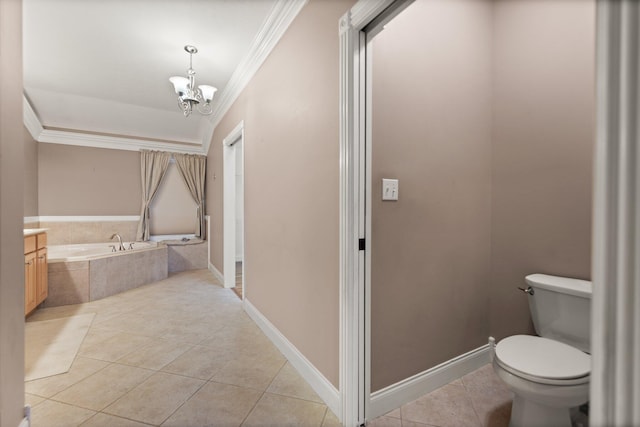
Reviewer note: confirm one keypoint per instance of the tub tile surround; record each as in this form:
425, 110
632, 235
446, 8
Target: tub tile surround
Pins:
194, 357
83, 281
73, 232
191, 255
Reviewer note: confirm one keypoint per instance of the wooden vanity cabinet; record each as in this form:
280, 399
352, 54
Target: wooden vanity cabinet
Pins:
35, 271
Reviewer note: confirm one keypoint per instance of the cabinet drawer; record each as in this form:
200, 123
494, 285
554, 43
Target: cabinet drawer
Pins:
29, 244
41, 240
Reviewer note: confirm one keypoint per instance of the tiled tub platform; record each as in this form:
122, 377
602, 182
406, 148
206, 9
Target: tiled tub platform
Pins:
74, 282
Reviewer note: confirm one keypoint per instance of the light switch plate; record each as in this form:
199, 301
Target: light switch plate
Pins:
389, 189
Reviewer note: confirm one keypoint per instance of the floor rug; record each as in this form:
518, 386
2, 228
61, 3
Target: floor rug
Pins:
52, 345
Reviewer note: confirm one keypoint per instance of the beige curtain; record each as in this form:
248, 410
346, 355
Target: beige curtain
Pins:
193, 169
153, 166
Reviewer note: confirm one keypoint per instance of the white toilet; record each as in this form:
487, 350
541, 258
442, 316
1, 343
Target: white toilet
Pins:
549, 373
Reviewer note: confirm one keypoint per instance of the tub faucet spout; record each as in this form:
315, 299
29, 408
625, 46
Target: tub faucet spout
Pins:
121, 246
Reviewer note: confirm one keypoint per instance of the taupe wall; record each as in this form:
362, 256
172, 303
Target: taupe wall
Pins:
87, 181
290, 111
544, 110
489, 127
30, 174
432, 131
11, 216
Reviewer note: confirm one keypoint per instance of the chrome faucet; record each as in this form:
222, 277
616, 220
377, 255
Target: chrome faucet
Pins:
121, 247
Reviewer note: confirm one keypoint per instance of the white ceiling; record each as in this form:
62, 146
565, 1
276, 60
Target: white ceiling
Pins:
102, 66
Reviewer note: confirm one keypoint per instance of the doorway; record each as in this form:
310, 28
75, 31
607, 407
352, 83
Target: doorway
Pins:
233, 212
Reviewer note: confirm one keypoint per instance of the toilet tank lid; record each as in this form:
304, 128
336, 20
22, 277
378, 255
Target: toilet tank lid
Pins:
578, 287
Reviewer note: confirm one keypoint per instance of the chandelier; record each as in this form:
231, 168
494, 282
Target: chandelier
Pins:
189, 96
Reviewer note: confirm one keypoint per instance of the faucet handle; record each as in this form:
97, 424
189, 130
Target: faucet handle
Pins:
113, 248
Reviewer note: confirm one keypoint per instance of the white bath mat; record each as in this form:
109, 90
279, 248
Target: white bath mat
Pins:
52, 345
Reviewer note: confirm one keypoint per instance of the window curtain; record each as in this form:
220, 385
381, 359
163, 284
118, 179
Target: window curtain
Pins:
153, 166
193, 169
615, 325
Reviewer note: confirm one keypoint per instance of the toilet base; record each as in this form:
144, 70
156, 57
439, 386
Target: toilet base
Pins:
526, 413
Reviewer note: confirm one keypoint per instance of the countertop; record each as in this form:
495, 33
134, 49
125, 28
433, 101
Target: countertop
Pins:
32, 231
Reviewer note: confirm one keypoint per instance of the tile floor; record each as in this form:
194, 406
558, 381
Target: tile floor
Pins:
182, 352
478, 399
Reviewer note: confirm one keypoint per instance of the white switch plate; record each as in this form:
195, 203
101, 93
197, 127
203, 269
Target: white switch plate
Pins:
389, 189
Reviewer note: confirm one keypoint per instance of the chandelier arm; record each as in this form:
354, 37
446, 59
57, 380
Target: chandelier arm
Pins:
185, 106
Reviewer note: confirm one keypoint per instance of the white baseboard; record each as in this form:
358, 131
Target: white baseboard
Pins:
216, 273
323, 387
407, 390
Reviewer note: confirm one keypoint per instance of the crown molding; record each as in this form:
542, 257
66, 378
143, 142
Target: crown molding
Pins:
276, 24
31, 121
40, 134
112, 142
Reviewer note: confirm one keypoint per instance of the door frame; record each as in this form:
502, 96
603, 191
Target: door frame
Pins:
355, 375
229, 154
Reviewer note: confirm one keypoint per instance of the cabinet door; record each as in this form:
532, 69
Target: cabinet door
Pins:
42, 276
29, 282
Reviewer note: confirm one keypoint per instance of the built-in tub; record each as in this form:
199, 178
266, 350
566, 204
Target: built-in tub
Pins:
87, 272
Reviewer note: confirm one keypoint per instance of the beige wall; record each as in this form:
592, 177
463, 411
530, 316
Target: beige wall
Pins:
11, 216
432, 131
87, 181
30, 174
544, 109
290, 111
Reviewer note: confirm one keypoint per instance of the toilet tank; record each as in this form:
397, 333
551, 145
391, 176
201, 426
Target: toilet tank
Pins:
561, 309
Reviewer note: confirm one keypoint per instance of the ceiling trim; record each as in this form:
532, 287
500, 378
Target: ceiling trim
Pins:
31, 121
281, 16
112, 142
83, 139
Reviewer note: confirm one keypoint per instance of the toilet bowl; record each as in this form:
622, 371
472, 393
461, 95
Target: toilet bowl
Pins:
549, 374
547, 378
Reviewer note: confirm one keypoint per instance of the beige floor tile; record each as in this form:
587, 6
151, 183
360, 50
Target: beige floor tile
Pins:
56, 414
156, 354
156, 399
52, 345
193, 331
114, 347
80, 369
199, 362
330, 420
490, 397
32, 400
288, 382
215, 404
449, 406
406, 423
104, 387
285, 411
385, 422
253, 372
106, 420
150, 323
394, 414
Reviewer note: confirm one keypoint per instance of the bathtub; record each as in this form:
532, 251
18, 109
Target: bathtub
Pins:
81, 273
86, 251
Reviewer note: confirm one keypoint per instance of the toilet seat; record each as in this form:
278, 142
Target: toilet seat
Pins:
543, 361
